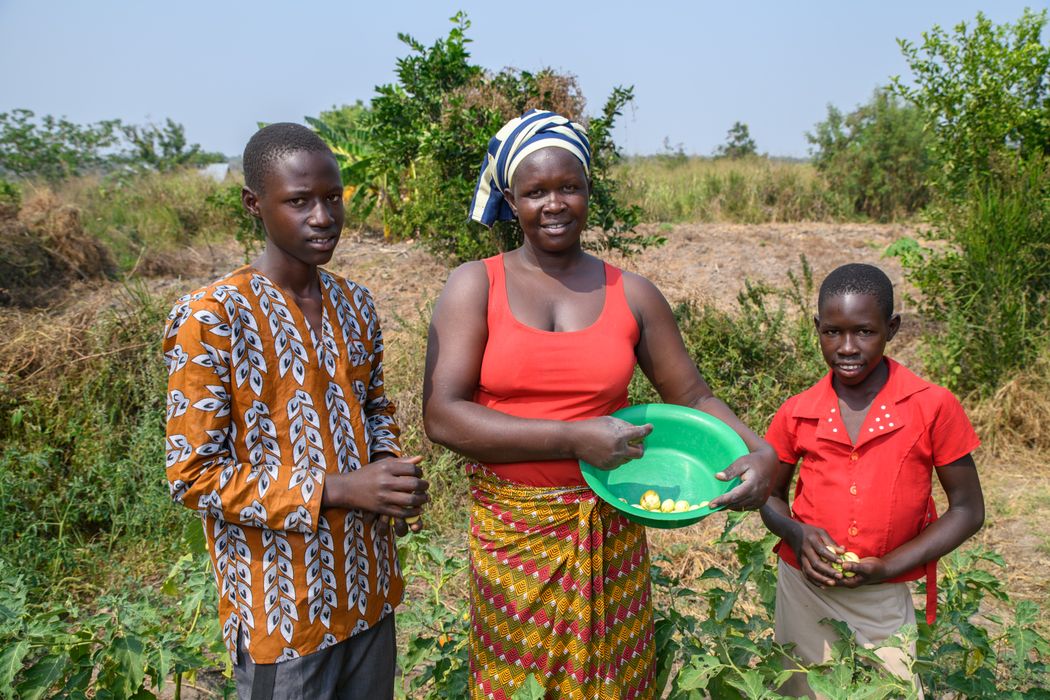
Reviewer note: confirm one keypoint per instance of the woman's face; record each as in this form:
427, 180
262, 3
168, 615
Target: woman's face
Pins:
549, 196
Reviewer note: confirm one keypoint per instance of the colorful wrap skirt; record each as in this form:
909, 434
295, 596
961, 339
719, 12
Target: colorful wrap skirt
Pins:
559, 589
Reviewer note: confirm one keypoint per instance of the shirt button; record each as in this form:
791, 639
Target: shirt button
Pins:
854, 457
853, 532
853, 489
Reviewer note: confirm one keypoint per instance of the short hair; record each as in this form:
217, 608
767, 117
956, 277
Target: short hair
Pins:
272, 143
858, 278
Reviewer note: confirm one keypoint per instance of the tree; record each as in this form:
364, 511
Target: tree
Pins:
739, 143
877, 156
415, 151
984, 93
53, 148
164, 148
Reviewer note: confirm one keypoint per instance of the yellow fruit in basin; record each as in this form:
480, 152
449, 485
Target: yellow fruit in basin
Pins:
650, 500
667, 506
680, 506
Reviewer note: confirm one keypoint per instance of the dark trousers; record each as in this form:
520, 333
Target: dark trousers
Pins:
359, 668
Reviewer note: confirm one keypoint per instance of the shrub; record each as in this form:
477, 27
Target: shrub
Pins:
739, 143
988, 285
415, 152
876, 157
983, 93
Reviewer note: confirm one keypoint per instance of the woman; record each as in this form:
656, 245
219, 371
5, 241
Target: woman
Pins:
529, 352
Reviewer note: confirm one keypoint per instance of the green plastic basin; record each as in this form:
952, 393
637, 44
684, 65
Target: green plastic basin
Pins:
682, 455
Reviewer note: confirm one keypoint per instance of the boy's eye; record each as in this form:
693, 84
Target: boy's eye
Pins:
297, 201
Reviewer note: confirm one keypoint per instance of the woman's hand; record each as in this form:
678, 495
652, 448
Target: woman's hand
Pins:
810, 545
608, 442
756, 471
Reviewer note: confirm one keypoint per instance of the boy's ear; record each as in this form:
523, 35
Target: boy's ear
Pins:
893, 326
250, 200
816, 322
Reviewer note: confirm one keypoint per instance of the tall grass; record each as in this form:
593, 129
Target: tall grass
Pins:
679, 189
142, 217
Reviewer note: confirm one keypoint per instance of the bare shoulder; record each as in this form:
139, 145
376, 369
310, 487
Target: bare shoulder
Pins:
643, 297
466, 291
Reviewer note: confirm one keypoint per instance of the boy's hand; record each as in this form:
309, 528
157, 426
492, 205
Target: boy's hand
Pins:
608, 442
756, 471
391, 487
815, 559
867, 570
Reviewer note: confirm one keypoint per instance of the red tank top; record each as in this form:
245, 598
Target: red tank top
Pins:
533, 373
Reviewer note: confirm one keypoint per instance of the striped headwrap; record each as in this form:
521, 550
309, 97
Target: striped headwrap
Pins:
517, 139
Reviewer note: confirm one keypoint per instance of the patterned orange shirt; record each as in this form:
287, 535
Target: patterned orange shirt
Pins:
260, 409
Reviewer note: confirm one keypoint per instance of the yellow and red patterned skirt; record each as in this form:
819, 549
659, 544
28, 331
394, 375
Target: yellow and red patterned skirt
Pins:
560, 590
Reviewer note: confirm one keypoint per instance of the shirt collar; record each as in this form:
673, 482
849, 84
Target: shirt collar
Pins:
821, 402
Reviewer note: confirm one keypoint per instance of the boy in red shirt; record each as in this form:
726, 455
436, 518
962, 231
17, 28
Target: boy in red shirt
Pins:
869, 435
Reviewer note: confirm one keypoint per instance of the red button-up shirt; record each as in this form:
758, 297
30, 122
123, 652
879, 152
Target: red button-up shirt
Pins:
873, 496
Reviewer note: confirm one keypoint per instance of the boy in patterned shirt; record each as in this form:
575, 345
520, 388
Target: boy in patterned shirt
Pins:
280, 434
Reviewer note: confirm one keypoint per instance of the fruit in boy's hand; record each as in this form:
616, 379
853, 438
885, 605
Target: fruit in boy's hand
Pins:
412, 519
667, 506
650, 500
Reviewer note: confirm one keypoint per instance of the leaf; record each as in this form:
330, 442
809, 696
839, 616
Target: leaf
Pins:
530, 690
750, 683
44, 674
128, 653
11, 663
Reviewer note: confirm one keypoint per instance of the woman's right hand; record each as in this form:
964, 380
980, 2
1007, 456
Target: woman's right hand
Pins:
608, 442
810, 545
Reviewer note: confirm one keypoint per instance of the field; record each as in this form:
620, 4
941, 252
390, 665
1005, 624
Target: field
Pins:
97, 554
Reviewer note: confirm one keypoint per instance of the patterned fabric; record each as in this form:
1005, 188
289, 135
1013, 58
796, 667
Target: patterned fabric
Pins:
559, 589
259, 410
518, 138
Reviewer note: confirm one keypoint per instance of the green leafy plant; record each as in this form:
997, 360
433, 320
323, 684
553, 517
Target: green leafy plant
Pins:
739, 143
53, 148
414, 153
876, 157
984, 94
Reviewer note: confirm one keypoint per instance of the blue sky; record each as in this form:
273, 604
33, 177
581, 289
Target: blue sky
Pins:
221, 66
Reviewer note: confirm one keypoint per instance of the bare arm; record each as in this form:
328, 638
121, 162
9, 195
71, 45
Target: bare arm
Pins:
809, 543
455, 347
665, 361
964, 517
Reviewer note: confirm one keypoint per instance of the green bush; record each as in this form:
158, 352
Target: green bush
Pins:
983, 93
415, 152
137, 215
79, 472
876, 157
988, 285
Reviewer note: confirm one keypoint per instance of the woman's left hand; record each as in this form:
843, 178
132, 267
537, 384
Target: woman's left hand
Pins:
756, 471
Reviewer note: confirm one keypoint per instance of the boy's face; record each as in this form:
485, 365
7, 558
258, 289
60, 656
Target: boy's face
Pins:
301, 206
853, 334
